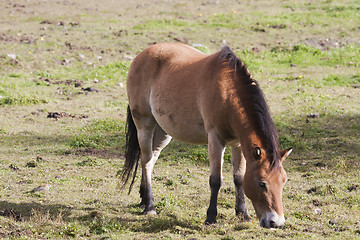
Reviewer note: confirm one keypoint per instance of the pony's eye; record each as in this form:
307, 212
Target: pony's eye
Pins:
257, 153
262, 185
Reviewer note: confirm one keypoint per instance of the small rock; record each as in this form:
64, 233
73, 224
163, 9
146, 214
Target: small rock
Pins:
313, 115
316, 202
73, 24
317, 211
53, 115
65, 61
24, 182
31, 164
128, 57
14, 167
353, 188
357, 224
12, 56
45, 187
332, 222
89, 89
46, 22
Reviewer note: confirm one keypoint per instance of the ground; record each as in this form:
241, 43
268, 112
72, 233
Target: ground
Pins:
63, 67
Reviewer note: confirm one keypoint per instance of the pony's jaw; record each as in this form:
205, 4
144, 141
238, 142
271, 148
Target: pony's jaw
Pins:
272, 220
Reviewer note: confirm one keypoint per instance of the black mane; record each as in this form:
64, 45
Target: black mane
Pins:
255, 105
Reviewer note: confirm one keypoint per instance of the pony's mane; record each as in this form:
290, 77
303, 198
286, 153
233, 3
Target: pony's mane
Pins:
255, 105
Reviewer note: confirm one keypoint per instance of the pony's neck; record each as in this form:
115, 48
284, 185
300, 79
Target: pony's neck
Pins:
242, 125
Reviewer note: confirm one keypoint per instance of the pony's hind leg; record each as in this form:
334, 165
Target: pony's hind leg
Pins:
152, 141
239, 167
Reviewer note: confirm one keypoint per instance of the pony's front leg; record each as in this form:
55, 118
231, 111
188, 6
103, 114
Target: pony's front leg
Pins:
216, 153
239, 167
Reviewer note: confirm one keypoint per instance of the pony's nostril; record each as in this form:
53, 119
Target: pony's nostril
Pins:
272, 224
262, 223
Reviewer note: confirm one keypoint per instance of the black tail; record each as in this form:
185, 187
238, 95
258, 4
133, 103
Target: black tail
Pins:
132, 151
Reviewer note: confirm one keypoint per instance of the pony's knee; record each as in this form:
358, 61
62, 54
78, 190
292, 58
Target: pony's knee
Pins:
238, 180
215, 182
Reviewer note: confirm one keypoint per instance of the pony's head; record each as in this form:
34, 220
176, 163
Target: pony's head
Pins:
263, 185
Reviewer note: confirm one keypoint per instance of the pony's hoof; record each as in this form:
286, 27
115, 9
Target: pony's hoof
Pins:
243, 216
210, 222
151, 212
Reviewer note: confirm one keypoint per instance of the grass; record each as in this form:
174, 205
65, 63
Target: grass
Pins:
305, 57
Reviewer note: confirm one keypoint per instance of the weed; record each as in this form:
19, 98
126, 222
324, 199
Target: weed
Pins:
323, 190
161, 24
71, 230
101, 225
89, 141
301, 215
104, 125
21, 100
31, 164
14, 75
165, 202
341, 81
110, 74
90, 161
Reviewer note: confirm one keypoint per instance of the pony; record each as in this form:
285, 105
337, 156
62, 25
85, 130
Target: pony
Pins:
176, 91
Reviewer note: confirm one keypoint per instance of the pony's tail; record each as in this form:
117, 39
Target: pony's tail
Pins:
132, 151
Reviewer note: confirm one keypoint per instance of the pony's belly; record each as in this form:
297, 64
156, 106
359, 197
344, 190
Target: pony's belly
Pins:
186, 129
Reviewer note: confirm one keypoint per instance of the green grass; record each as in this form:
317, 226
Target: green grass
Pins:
301, 56
304, 55
21, 100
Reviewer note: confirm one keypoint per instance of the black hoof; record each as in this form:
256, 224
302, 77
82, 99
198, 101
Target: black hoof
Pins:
244, 216
210, 222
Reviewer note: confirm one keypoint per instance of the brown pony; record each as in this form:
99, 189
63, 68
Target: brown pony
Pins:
177, 91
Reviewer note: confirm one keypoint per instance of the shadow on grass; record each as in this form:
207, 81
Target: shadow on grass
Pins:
324, 141
170, 222
326, 137
148, 224
60, 145
24, 211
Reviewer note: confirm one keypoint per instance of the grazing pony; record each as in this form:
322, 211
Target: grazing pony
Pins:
177, 91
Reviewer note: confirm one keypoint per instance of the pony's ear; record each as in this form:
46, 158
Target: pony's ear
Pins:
285, 153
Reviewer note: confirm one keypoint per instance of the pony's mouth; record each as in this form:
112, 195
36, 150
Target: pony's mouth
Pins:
272, 220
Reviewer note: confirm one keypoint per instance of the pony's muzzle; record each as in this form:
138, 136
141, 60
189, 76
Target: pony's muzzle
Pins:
272, 220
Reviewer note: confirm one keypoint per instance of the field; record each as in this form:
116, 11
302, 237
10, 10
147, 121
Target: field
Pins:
63, 67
